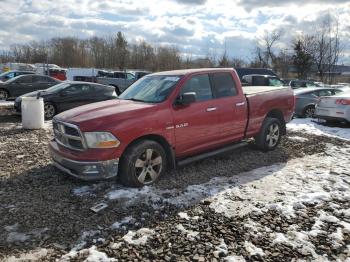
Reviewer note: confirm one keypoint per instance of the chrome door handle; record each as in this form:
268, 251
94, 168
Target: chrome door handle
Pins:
210, 109
240, 104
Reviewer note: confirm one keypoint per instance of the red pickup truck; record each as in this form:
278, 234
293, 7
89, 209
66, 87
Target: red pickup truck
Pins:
168, 119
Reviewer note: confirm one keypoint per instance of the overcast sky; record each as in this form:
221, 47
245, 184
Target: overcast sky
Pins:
196, 27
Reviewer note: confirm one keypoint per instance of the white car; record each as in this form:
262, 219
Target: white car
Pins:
334, 108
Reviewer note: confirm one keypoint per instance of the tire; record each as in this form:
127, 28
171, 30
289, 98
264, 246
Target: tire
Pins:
309, 111
142, 164
117, 90
270, 134
49, 110
4, 95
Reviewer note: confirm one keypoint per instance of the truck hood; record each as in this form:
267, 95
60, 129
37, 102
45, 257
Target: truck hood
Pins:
94, 115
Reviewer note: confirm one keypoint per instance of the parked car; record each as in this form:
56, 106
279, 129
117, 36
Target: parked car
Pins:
120, 80
23, 84
334, 108
307, 98
138, 74
261, 80
11, 74
254, 71
296, 83
67, 95
167, 119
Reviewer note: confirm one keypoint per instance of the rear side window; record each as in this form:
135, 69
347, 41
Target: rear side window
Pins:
79, 89
224, 85
200, 85
324, 93
26, 79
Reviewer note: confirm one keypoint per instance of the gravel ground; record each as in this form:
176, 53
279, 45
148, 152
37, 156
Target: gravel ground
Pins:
47, 214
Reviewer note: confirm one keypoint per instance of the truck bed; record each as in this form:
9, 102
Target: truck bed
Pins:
253, 90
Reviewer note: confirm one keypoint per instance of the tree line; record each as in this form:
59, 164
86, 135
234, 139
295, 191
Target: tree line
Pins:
307, 52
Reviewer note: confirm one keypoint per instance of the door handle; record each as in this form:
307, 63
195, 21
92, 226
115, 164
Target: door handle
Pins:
210, 109
240, 104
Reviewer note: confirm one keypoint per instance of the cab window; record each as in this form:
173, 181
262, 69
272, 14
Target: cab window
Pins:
224, 85
199, 84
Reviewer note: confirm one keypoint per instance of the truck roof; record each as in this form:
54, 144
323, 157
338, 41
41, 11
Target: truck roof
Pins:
190, 71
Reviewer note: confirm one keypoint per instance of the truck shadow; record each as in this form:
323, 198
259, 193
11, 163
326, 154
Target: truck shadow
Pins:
42, 207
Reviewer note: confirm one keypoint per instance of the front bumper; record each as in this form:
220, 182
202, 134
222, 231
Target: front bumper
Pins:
91, 170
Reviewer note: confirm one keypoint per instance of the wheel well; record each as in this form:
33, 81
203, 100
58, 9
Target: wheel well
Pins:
276, 113
163, 142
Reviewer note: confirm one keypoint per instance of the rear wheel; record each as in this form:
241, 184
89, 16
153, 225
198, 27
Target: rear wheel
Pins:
3, 94
142, 163
270, 134
309, 112
49, 110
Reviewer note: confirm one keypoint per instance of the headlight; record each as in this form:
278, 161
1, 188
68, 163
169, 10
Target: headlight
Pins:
101, 140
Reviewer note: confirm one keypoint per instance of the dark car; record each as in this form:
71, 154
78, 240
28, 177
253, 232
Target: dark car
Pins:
23, 84
261, 80
11, 74
306, 99
67, 95
254, 71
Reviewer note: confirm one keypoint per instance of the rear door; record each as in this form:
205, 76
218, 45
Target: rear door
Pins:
196, 124
233, 107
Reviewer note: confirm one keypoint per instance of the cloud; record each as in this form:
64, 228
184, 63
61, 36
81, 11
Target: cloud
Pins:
198, 27
192, 2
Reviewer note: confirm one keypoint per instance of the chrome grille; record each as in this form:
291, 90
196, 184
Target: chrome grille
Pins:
68, 135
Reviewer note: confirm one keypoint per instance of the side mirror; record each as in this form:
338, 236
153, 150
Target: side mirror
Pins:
186, 99
63, 93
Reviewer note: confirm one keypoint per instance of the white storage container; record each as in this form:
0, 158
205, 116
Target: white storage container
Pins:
32, 113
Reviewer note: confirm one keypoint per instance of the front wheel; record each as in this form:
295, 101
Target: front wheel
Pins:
49, 110
142, 164
4, 95
270, 134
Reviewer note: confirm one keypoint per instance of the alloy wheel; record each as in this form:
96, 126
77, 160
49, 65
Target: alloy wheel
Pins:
148, 166
310, 112
49, 111
3, 95
273, 135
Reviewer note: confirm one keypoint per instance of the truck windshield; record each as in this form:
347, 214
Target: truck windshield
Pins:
151, 89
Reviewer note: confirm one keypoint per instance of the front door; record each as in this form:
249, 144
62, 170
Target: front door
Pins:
196, 124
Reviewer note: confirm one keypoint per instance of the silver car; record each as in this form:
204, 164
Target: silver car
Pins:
334, 108
306, 99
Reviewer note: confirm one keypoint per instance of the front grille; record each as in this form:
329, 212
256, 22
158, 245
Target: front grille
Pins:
68, 135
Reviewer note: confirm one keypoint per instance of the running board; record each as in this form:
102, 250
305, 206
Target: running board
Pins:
215, 152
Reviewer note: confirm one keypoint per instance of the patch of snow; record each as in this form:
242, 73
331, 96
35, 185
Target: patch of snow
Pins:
221, 250
17, 237
184, 215
310, 126
297, 138
253, 250
125, 220
82, 191
34, 255
7, 103
139, 237
189, 233
96, 256
234, 259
